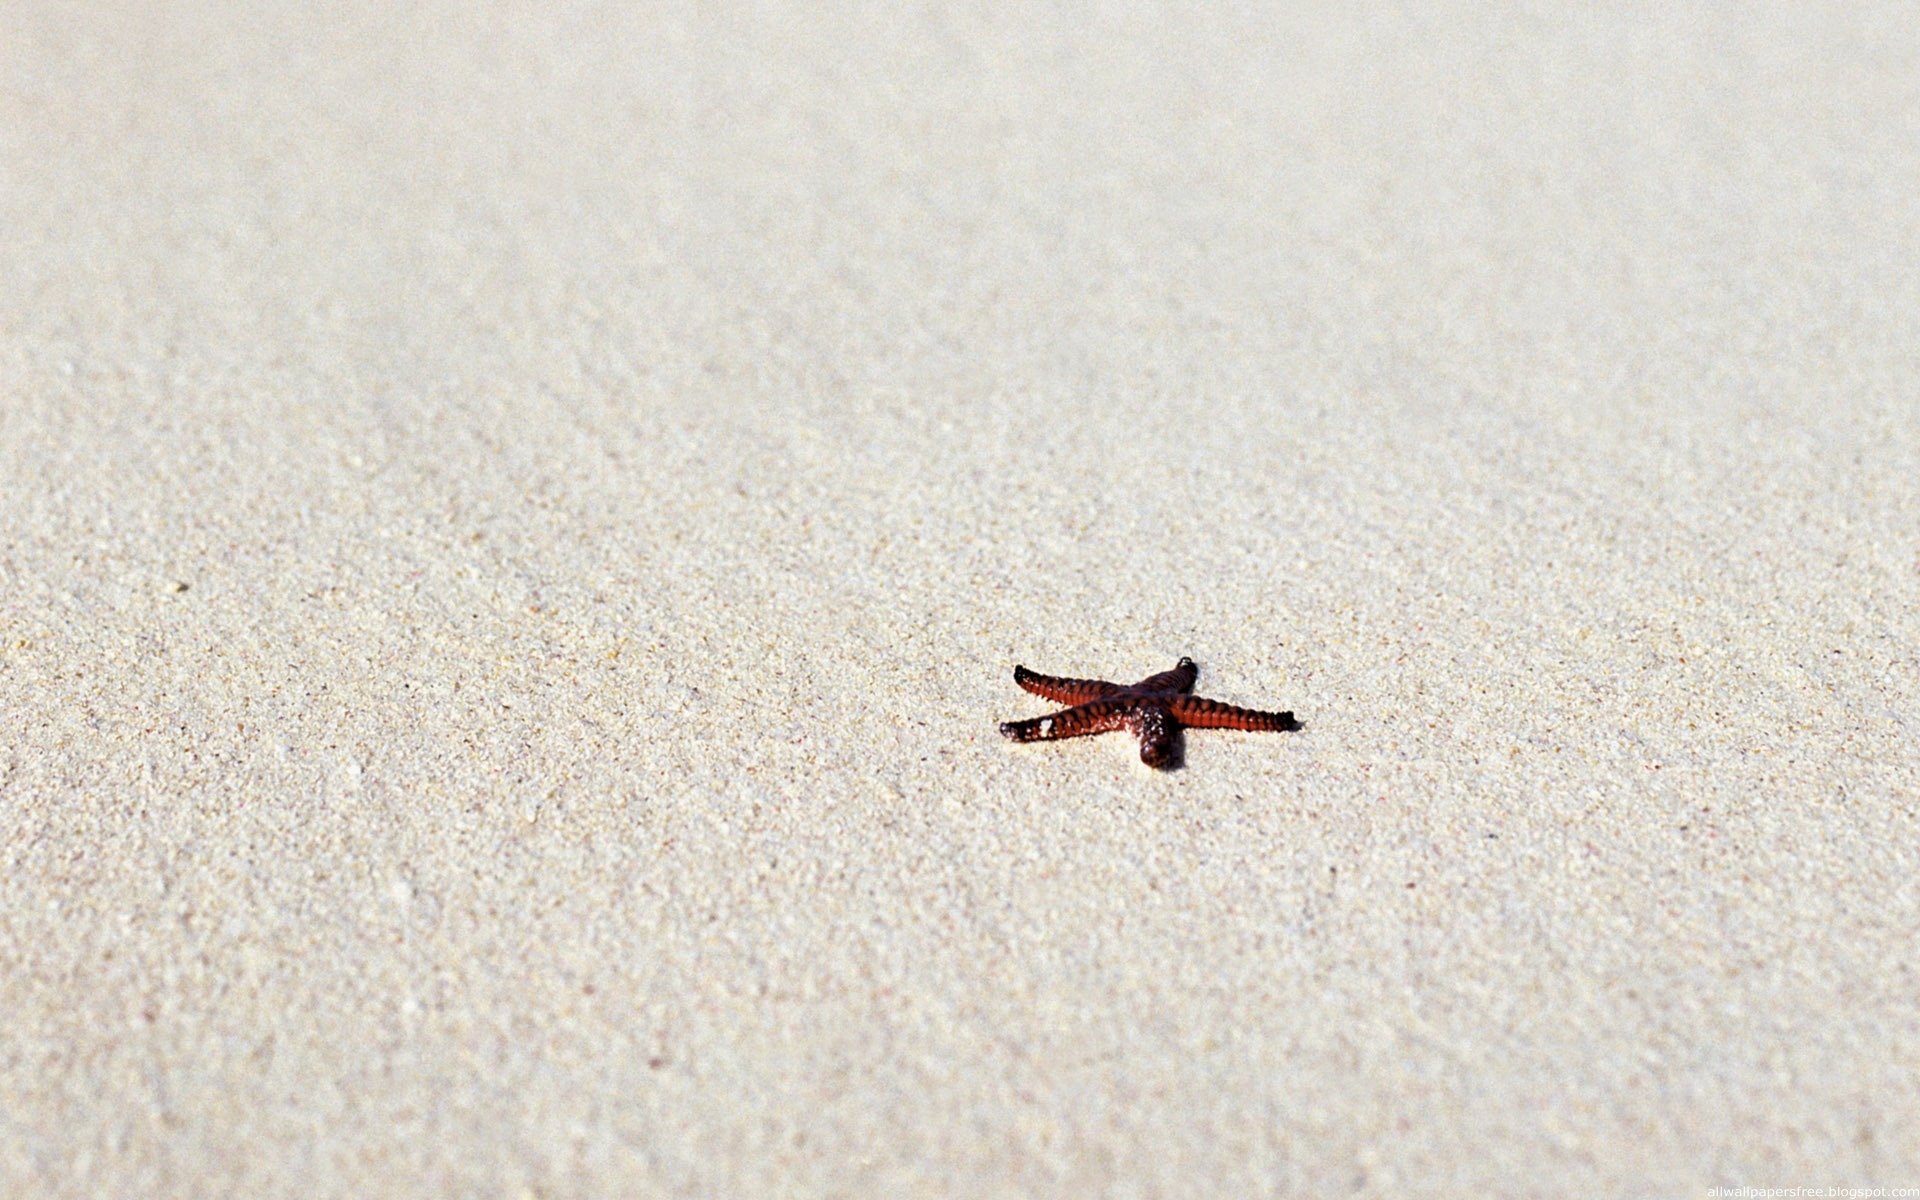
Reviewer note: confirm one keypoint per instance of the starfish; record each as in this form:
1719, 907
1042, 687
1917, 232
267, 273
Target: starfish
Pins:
1153, 710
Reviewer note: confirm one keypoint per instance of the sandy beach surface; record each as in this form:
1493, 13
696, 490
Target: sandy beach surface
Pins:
517, 521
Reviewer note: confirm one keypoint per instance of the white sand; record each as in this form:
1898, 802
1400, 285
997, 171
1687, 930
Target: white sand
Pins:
515, 532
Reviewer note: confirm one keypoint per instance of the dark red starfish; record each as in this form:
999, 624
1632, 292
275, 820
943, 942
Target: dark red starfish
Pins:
1153, 710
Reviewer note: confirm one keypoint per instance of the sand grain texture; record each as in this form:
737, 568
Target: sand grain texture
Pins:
516, 525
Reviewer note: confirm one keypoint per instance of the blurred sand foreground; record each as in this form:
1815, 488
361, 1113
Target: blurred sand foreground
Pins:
516, 526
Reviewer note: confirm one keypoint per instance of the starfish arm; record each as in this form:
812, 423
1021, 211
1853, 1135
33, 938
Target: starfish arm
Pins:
1063, 691
1198, 713
1158, 733
1095, 717
1180, 679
